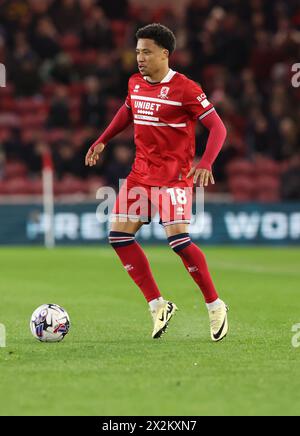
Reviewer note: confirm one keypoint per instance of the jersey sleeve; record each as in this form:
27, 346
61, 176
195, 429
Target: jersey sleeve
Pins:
195, 101
128, 98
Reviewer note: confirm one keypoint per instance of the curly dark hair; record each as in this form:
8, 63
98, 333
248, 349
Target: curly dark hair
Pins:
161, 35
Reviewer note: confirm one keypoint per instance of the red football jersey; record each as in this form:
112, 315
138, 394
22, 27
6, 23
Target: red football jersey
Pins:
164, 116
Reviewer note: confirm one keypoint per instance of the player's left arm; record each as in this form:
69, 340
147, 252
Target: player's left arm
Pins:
216, 138
199, 108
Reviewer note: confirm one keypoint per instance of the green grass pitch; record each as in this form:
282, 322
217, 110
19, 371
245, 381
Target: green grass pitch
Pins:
109, 365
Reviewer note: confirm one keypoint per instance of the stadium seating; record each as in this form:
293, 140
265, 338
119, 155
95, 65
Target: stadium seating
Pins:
69, 42
235, 83
268, 188
15, 170
254, 181
70, 185
241, 187
241, 167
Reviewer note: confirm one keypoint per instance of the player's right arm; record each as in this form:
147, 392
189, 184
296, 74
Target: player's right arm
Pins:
121, 120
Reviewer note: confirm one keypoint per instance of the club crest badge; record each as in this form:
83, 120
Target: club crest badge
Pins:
164, 92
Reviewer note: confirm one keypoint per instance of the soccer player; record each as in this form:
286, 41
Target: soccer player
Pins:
164, 107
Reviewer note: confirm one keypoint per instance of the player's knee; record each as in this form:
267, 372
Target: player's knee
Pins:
179, 242
120, 239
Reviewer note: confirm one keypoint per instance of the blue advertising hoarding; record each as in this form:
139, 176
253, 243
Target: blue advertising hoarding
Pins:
77, 224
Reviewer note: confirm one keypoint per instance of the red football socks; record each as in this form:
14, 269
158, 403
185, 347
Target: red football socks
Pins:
137, 265
195, 263
135, 262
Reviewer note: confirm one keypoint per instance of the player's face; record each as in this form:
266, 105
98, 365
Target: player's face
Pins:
150, 57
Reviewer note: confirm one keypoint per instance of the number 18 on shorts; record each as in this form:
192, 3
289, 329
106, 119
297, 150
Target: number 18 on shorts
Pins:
142, 202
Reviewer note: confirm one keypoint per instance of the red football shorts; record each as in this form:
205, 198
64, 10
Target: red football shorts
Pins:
139, 202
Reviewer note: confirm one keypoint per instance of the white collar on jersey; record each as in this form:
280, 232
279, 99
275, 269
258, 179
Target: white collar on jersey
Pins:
167, 78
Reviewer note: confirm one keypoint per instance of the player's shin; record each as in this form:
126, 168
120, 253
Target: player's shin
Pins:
195, 263
135, 262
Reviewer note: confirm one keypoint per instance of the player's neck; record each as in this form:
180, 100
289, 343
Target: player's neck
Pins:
159, 76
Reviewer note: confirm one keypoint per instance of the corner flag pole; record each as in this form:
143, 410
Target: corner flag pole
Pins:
48, 199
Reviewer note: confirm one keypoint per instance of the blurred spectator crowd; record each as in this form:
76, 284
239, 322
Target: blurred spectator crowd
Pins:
68, 63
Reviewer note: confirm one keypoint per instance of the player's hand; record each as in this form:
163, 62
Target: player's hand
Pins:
204, 176
93, 154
